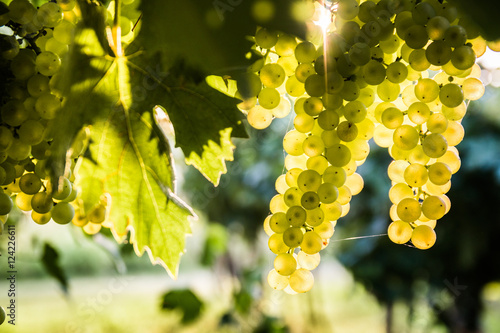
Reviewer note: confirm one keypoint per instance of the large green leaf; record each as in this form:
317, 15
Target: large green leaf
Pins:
129, 160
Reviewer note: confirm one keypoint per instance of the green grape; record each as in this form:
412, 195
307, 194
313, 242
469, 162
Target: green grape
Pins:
390, 45
296, 216
332, 211
436, 27
347, 131
310, 200
301, 281
63, 213
360, 54
72, 196
367, 11
315, 217
276, 244
56, 47
10, 173
433, 207
313, 146
304, 123
6, 204
62, 190
291, 177
249, 85
292, 237
392, 118
293, 142
454, 133
451, 95
308, 261
278, 222
399, 232
374, 72
328, 120
338, 155
289, 64
48, 63
14, 113
31, 132
350, 91
423, 237
317, 163
30, 183
292, 196
266, 38
416, 36
345, 195
311, 243
272, 75
416, 175
422, 13
388, 91
455, 36
345, 66
277, 281
434, 145
285, 46
50, 14
23, 65
355, 111
405, 137
426, 90
417, 155
309, 180
40, 218
63, 32
40, 151
365, 129
303, 71
294, 87
330, 138
328, 192
437, 123
418, 60
315, 85
18, 150
285, 264
259, 117
403, 22
359, 148
400, 191
438, 53
334, 82
334, 175
397, 72
277, 204
47, 105
37, 85
396, 170
409, 210
326, 229
419, 113
269, 98
463, 57
42, 202
305, 52
313, 106
473, 89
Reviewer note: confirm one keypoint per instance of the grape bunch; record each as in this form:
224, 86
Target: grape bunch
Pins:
33, 55
398, 71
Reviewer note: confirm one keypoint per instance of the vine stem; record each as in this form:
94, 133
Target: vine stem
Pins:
117, 33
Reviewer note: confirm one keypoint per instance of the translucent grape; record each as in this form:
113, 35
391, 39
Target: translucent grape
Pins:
293, 141
434, 145
272, 75
406, 137
310, 200
6, 204
388, 91
338, 155
313, 146
266, 38
296, 216
311, 243
277, 281
409, 210
397, 72
292, 237
355, 111
301, 281
400, 191
308, 261
433, 207
347, 131
63, 213
419, 113
315, 217
285, 264
423, 237
463, 57
276, 244
438, 53
309, 180
399, 232
42, 202
278, 222
392, 118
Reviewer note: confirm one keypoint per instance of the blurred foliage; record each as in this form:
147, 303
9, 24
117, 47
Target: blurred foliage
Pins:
185, 301
51, 262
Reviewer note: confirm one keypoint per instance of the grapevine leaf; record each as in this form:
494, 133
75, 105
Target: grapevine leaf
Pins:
212, 34
203, 118
50, 260
128, 164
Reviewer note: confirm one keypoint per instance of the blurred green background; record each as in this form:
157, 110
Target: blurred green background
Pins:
68, 282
